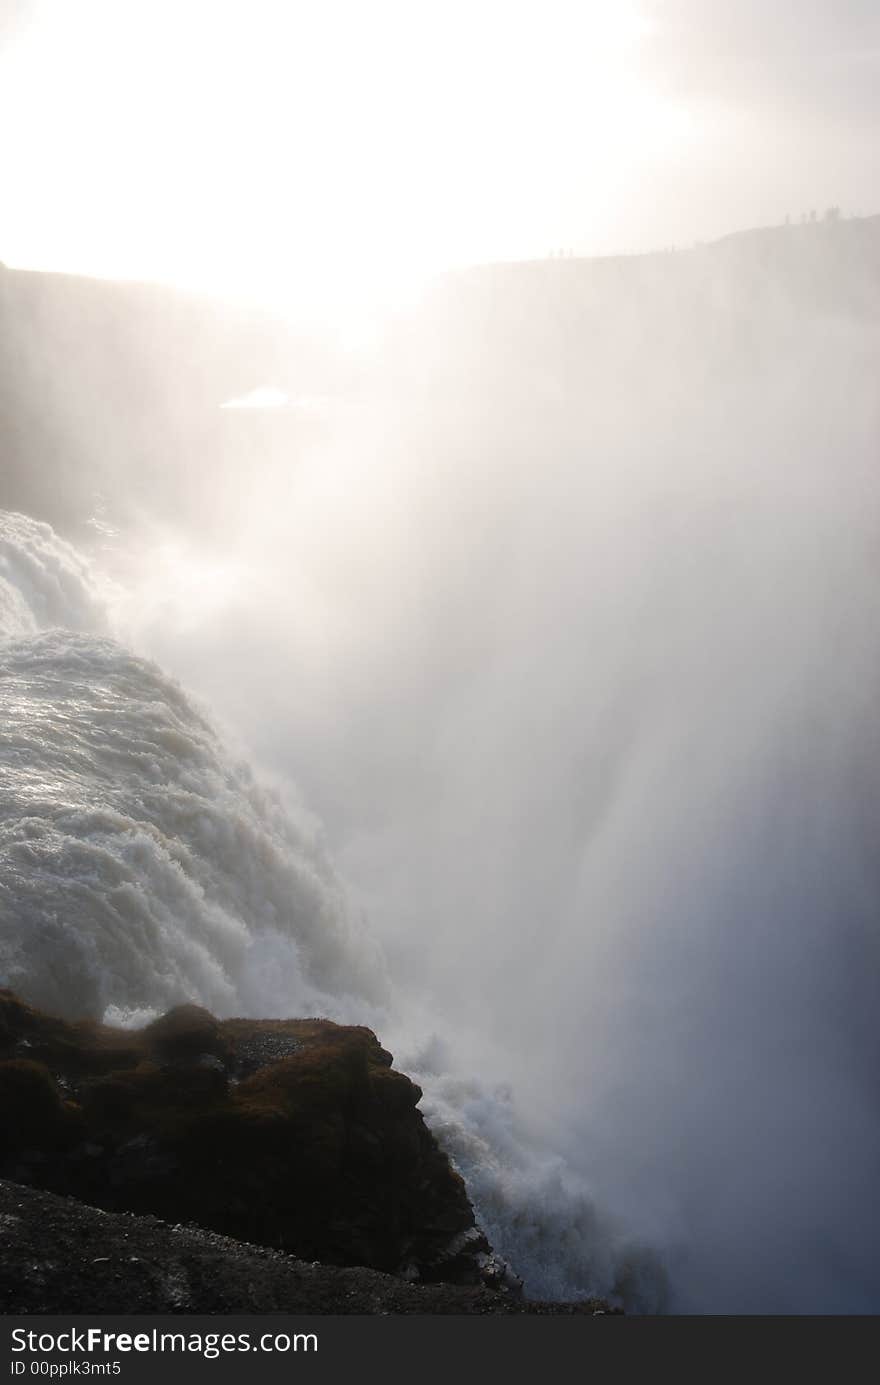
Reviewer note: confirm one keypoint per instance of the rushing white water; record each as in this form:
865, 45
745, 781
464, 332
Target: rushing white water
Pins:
140, 866
44, 582
565, 628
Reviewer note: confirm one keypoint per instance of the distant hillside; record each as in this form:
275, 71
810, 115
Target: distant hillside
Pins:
584, 308
113, 389
101, 379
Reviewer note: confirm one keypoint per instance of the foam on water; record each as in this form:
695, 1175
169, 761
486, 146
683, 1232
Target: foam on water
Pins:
43, 581
533, 1206
141, 866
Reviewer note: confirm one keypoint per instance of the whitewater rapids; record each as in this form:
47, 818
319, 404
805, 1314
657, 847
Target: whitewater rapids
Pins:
139, 865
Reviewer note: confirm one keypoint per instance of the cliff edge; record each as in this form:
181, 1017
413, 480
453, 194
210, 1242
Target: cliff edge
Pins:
297, 1135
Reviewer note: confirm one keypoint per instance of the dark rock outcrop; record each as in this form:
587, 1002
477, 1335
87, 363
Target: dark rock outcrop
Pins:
294, 1134
62, 1256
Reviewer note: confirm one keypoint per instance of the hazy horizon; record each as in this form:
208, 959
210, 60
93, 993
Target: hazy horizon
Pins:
333, 155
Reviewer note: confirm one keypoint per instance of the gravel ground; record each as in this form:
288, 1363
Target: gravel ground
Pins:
261, 1049
60, 1256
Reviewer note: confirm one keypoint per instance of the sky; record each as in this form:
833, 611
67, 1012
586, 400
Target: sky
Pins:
337, 151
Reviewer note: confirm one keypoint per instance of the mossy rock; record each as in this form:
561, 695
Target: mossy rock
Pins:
293, 1133
184, 1033
34, 1114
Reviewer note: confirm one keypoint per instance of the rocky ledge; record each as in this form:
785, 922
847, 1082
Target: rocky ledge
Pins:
62, 1256
199, 1165
293, 1134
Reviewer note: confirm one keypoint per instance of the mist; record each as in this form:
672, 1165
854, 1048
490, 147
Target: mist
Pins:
555, 604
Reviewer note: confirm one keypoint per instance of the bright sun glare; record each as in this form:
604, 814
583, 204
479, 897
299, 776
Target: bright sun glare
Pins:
325, 153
